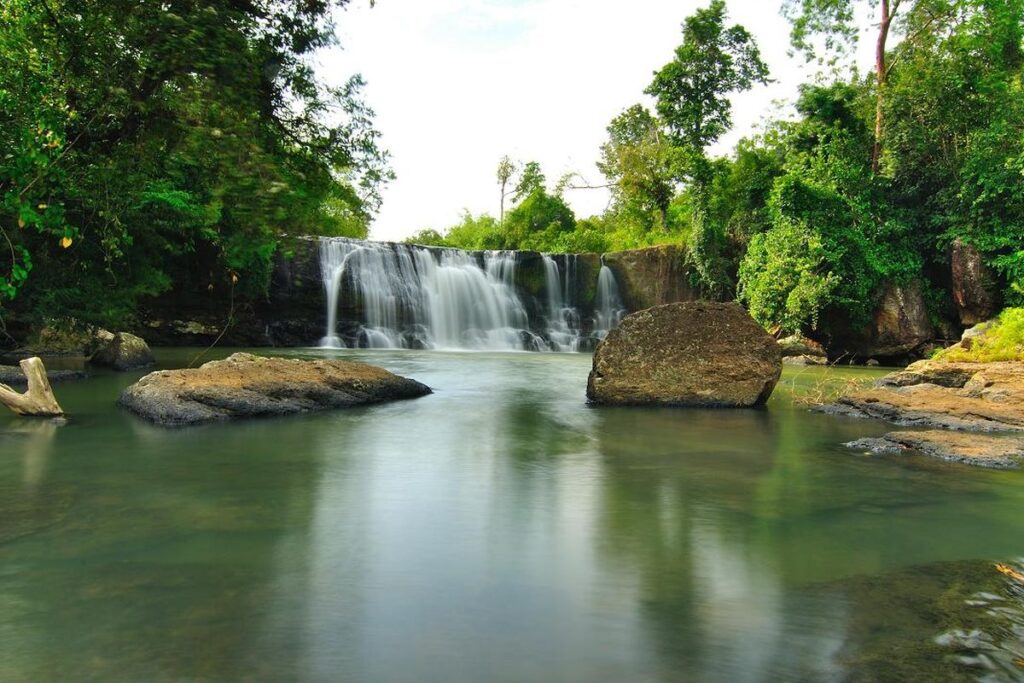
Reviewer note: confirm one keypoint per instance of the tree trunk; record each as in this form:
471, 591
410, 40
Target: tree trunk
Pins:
881, 75
38, 400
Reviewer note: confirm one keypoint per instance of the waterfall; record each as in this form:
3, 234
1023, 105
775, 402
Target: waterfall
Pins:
609, 309
563, 319
387, 295
412, 297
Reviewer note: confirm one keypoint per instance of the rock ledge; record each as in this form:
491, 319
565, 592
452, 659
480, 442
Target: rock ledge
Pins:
244, 385
946, 398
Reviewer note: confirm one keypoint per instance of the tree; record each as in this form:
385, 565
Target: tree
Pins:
530, 180
692, 92
835, 20
636, 161
148, 145
537, 222
506, 170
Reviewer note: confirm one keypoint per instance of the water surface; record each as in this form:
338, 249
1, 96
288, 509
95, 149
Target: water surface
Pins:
498, 530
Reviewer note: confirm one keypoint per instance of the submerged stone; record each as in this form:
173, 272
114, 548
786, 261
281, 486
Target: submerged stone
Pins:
245, 385
686, 354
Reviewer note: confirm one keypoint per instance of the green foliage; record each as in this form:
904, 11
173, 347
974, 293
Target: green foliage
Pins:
530, 180
154, 146
692, 93
637, 161
1002, 340
538, 222
786, 279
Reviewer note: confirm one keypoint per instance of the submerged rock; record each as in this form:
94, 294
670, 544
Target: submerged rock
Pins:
124, 352
245, 385
686, 354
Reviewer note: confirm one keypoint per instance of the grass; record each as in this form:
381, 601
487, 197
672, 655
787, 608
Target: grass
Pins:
1004, 340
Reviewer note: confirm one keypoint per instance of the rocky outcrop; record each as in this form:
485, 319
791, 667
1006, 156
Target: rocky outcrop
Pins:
900, 328
799, 350
245, 385
124, 352
974, 285
653, 276
798, 345
686, 354
997, 451
959, 397
901, 324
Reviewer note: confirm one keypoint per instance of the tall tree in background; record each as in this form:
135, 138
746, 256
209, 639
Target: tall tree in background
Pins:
692, 91
506, 169
835, 22
530, 180
636, 161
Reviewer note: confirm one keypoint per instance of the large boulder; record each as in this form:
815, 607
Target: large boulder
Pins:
686, 354
975, 288
245, 385
123, 352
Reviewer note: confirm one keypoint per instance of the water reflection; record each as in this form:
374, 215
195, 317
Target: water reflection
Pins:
497, 530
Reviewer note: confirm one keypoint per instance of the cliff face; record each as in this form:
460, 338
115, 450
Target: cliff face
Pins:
652, 276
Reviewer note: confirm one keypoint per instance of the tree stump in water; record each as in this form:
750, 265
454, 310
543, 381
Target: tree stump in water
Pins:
38, 400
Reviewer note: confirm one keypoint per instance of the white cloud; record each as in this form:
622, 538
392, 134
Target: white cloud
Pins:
456, 84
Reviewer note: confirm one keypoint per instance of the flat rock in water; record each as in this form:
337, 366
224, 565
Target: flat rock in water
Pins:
244, 385
698, 354
976, 397
949, 398
984, 450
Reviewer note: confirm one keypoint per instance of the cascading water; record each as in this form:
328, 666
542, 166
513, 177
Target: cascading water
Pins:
386, 295
563, 319
412, 297
610, 309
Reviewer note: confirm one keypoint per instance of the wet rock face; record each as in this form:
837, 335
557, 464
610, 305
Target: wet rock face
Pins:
651, 277
686, 354
124, 352
245, 385
975, 288
901, 323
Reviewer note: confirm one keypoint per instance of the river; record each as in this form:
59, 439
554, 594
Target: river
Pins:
497, 530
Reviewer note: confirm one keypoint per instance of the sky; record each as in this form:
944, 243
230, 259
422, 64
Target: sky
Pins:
457, 84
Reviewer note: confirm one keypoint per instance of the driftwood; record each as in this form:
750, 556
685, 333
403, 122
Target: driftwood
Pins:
38, 400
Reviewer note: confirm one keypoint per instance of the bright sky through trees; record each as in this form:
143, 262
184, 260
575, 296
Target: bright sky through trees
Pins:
457, 84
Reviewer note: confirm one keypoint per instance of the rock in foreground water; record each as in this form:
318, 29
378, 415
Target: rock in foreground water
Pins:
245, 385
699, 354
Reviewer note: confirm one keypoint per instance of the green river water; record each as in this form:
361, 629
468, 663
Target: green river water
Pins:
498, 530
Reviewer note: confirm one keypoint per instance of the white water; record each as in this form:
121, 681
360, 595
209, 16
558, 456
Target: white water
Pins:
609, 307
563, 319
404, 296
